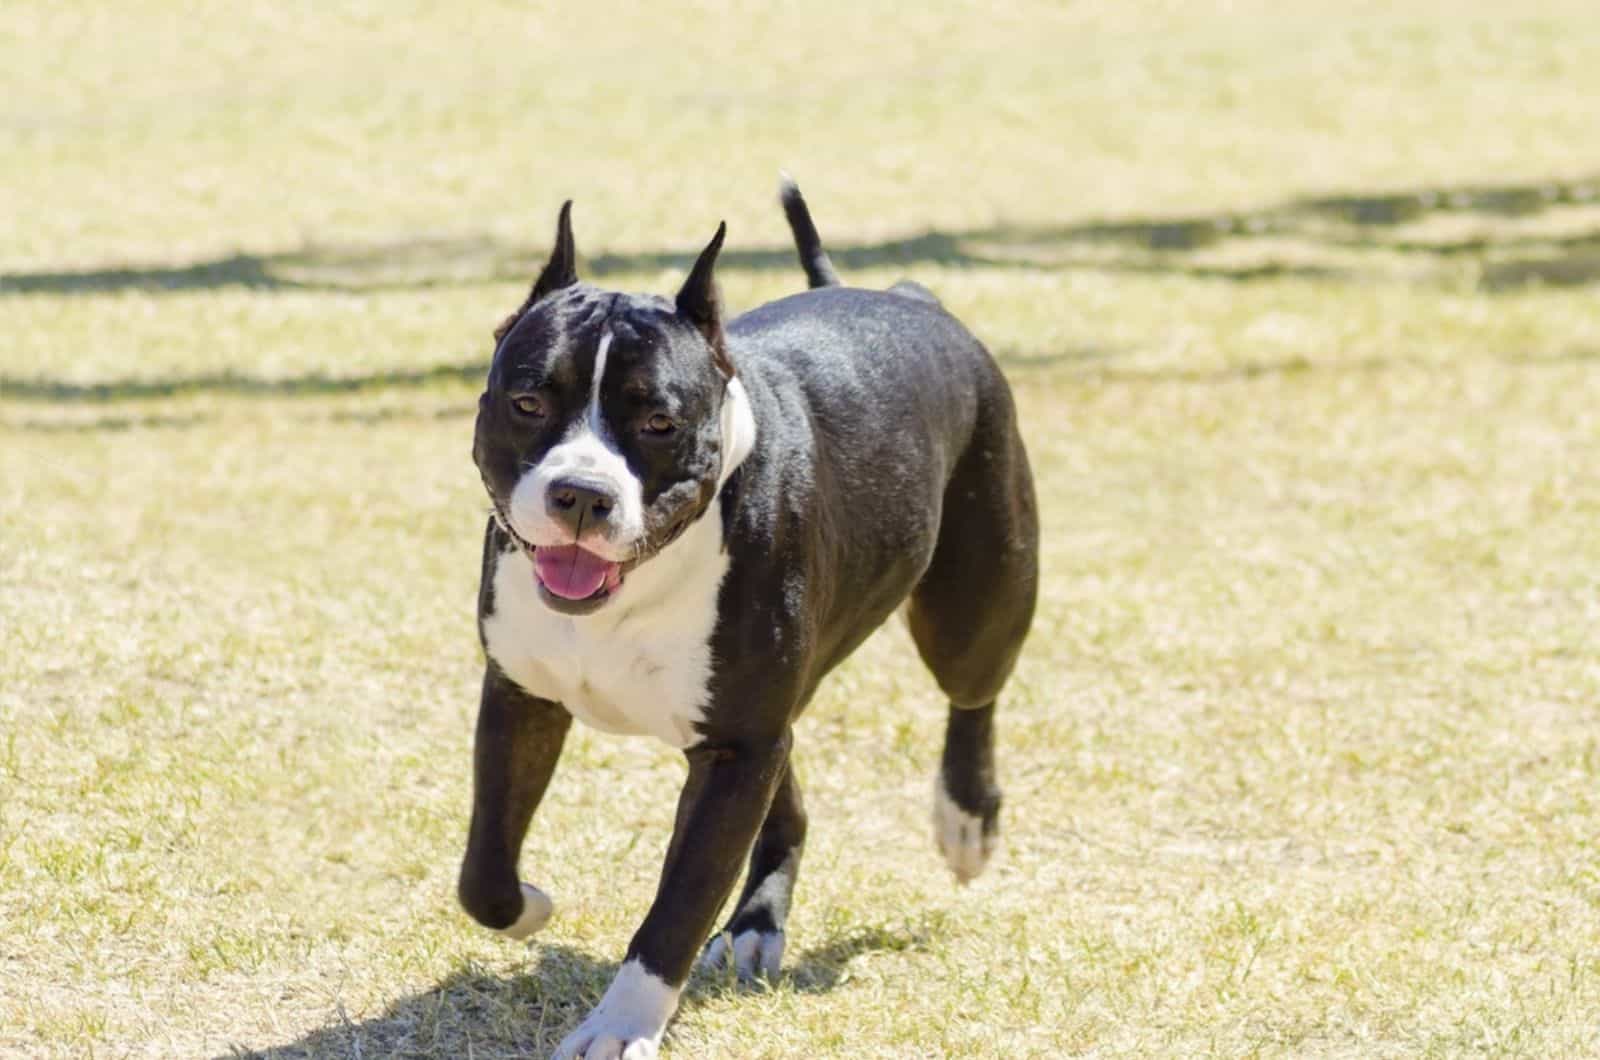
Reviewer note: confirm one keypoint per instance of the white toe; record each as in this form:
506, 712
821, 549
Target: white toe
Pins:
628, 1022
716, 953
536, 910
960, 836
754, 954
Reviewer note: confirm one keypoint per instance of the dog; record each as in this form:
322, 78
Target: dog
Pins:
692, 522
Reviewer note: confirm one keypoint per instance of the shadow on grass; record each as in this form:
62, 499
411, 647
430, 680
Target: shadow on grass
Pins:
1330, 226
470, 1013
1089, 366
315, 384
824, 968
1141, 245
1296, 366
318, 384
474, 1013
1571, 268
114, 423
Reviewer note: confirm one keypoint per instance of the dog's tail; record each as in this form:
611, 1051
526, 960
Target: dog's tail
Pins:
813, 259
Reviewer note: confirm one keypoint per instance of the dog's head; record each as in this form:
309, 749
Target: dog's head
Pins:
608, 424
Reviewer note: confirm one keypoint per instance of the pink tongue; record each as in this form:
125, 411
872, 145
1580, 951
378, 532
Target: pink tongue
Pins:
569, 571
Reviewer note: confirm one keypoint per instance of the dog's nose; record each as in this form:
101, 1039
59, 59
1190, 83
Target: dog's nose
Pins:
580, 504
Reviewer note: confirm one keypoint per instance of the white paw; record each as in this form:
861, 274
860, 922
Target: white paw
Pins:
628, 1022
960, 836
536, 910
753, 953
601, 1046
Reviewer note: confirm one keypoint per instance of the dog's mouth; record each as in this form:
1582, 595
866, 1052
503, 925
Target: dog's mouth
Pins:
573, 579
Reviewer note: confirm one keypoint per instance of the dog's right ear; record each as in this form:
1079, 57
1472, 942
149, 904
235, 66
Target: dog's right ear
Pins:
560, 271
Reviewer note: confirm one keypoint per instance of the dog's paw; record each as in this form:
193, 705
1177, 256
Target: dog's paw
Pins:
752, 954
536, 910
628, 1022
580, 1045
963, 838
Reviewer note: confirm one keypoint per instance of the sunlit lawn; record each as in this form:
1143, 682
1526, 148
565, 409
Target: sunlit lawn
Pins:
1302, 306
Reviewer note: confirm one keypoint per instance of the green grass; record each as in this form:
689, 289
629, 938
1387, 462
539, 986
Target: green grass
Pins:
1302, 307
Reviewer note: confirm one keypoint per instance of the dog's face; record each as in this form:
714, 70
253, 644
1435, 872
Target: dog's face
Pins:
606, 425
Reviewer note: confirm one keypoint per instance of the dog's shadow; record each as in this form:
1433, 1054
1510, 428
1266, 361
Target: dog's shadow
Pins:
474, 1013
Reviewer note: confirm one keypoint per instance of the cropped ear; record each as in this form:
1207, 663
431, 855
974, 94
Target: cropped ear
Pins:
699, 304
560, 271
562, 268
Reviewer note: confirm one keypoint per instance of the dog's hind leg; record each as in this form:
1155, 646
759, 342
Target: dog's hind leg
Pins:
969, 615
966, 796
753, 939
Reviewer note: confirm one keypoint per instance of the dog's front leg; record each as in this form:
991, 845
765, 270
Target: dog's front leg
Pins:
723, 804
518, 740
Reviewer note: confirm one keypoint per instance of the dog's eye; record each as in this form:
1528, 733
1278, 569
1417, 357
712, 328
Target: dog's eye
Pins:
659, 424
528, 405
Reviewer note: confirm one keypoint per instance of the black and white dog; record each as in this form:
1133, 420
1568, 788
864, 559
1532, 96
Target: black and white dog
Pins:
693, 522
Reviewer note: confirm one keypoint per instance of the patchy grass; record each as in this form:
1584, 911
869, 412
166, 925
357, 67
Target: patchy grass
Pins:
1300, 305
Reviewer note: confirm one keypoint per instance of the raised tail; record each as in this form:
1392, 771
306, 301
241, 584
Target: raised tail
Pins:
813, 259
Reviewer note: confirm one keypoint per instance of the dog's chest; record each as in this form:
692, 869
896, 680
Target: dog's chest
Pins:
639, 666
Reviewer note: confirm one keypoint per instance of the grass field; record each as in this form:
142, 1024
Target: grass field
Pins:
1301, 302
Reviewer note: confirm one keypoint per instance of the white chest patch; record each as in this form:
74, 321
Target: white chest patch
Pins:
641, 664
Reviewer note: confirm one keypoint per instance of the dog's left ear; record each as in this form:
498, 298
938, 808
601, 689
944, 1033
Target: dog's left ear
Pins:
699, 303
560, 271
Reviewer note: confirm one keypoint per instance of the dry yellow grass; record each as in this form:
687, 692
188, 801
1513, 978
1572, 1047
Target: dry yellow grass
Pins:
1300, 305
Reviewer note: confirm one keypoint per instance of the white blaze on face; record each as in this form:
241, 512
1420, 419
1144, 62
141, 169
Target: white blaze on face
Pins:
642, 663
586, 452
